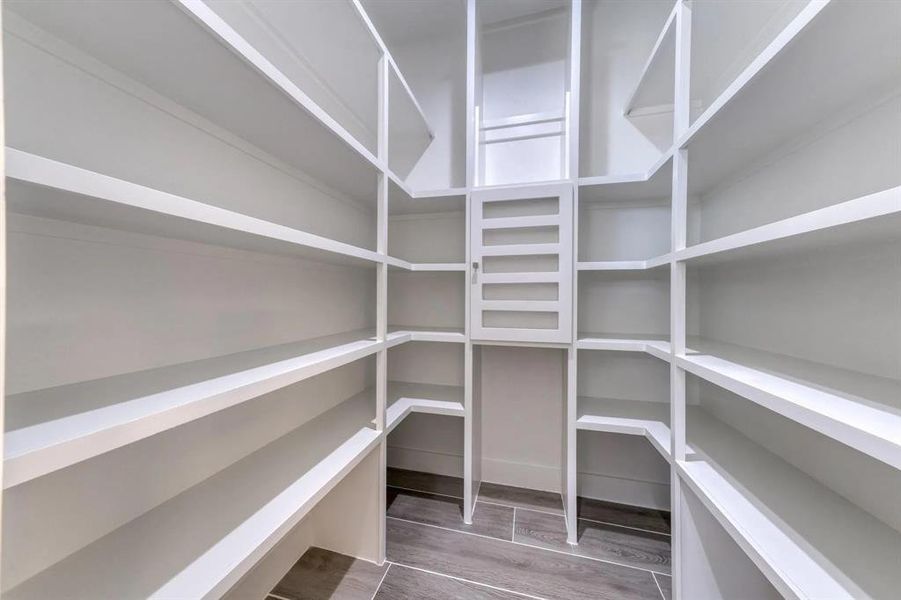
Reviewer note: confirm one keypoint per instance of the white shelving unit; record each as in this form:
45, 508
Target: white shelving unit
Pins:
694, 207
164, 74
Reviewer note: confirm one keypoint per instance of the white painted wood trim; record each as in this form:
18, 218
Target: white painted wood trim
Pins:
874, 432
364, 17
519, 222
30, 168
783, 560
770, 53
878, 204
630, 108
625, 265
31, 452
403, 407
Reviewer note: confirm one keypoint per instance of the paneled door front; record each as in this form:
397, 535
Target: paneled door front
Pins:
522, 262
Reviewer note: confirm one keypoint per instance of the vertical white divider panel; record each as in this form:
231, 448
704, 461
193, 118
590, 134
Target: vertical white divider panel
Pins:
679, 228
472, 447
2, 276
381, 383
570, 485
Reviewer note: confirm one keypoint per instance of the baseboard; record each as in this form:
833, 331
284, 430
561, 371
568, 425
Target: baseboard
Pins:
648, 494
535, 477
427, 461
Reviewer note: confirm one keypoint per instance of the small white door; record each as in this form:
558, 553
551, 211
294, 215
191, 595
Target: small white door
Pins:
522, 261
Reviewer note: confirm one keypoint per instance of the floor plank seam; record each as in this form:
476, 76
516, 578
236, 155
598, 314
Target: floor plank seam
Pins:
489, 502
538, 510
406, 489
623, 526
659, 587
454, 577
382, 580
570, 554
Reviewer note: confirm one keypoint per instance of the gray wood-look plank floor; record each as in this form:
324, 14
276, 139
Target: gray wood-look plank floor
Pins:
516, 547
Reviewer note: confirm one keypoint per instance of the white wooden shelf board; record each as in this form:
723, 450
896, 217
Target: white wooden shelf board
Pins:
869, 218
520, 222
182, 549
655, 346
406, 398
806, 539
186, 52
439, 267
47, 188
630, 417
521, 249
797, 74
404, 201
656, 85
58, 427
428, 334
656, 182
538, 277
625, 265
455, 192
863, 412
407, 90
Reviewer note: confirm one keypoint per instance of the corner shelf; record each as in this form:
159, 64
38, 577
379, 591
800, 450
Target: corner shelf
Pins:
54, 428
630, 417
861, 411
655, 346
653, 94
426, 334
167, 45
258, 500
657, 181
796, 73
405, 398
625, 265
806, 539
871, 217
47, 188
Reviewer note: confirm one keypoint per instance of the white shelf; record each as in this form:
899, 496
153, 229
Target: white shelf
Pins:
426, 334
861, 411
403, 201
630, 417
625, 265
656, 182
183, 549
47, 188
807, 540
870, 218
426, 267
187, 52
655, 346
792, 85
654, 91
457, 192
58, 427
405, 398
439, 267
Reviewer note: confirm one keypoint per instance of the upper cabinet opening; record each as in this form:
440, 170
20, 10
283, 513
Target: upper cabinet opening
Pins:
522, 85
427, 39
627, 86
